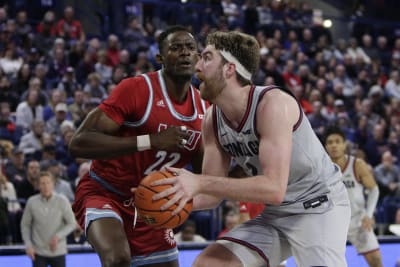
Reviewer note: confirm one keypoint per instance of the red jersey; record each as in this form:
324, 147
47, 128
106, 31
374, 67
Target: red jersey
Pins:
252, 208
71, 29
141, 105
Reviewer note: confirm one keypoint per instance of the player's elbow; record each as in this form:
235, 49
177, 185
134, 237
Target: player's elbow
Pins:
74, 147
276, 198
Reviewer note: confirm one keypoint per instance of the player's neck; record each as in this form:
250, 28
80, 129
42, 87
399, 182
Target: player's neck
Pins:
233, 103
341, 161
177, 88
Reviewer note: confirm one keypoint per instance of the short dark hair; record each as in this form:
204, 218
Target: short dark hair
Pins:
48, 174
333, 129
167, 32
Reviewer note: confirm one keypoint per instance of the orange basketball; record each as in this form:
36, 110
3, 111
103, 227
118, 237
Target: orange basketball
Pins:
149, 210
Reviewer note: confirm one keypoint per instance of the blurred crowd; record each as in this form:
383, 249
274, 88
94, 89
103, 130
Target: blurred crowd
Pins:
52, 74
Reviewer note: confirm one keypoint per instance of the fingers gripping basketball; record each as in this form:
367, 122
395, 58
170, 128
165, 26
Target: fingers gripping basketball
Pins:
149, 209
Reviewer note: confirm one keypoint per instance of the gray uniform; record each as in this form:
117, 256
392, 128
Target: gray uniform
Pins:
311, 224
364, 241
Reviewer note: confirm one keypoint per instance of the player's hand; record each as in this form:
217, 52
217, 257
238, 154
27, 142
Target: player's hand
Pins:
54, 243
30, 251
172, 138
185, 185
367, 223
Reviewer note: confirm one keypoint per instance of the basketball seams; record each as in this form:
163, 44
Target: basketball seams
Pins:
150, 210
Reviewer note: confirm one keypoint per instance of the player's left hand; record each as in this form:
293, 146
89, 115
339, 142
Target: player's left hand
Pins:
185, 185
367, 223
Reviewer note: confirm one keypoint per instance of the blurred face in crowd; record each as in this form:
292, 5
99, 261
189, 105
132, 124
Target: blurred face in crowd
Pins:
231, 219
38, 128
188, 233
387, 159
18, 159
33, 169
46, 185
335, 146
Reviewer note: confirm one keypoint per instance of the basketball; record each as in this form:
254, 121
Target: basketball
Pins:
149, 210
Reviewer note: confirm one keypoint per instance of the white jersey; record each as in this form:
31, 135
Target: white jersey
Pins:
311, 169
364, 241
354, 188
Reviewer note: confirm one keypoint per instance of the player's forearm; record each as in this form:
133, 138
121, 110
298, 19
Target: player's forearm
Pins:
95, 145
372, 200
205, 202
258, 189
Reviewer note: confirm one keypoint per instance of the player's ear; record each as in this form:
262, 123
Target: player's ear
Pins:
229, 69
159, 59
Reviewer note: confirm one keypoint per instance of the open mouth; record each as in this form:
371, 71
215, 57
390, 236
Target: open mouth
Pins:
185, 64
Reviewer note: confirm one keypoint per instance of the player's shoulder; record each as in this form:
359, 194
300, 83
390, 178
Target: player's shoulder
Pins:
360, 165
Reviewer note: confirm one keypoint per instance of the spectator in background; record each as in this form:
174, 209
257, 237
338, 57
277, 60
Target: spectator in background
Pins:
77, 52
68, 84
113, 50
392, 86
231, 219
102, 68
76, 107
376, 144
70, 28
29, 110
15, 168
12, 207
27, 186
188, 233
53, 124
231, 12
57, 96
31, 142
7, 93
10, 62
46, 221
375, 95
8, 129
387, 175
61, 186
93, 87
317, 119
134, 36
23, 77
84, 168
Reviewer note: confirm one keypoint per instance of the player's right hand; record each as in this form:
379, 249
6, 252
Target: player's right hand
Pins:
367, 223
171, 139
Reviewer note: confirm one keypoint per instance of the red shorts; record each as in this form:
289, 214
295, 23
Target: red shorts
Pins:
93, 201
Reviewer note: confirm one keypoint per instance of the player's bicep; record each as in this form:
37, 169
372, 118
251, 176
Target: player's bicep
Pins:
365, 174
98, 121
276, 115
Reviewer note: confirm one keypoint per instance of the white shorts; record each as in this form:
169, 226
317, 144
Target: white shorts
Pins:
364, 241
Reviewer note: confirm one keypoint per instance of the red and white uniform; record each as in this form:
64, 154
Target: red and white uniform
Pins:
141, 105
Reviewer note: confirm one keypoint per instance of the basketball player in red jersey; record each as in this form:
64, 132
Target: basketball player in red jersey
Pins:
148, 122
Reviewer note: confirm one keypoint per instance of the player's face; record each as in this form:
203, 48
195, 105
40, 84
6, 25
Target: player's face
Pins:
335, 146
180, 54
209, 69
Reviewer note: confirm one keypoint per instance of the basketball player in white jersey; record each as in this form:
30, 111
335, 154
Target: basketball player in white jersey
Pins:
264, 129
357, 178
